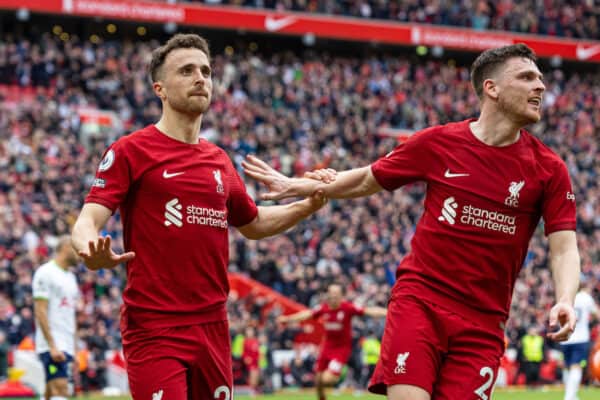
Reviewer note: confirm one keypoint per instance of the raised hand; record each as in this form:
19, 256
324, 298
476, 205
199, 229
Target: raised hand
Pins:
278, 184
562, 315
100, 255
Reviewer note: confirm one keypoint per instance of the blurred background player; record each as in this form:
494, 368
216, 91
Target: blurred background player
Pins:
576, 350
336, 346
251, 358
55, 293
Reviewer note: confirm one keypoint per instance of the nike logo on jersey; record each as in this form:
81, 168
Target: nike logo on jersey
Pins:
168, 175
449, 174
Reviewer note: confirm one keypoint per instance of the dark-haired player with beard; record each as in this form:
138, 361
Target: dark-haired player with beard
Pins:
489, 182
178, 195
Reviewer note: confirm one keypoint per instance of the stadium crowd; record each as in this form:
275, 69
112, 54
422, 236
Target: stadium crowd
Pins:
297, 112
577, 19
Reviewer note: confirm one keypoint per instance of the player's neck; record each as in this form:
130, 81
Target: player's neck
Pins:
61, 262
494, 129
181, 127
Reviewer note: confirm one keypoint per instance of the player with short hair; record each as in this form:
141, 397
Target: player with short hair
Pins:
178, 195
336, 346
488, 183
55, 294
577, 349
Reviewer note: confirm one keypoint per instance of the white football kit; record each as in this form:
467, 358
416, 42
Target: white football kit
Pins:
59, 287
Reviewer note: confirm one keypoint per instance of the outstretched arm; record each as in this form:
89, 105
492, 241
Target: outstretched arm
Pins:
94, 249
297, 317
375, 312
272, 220
564, 263
353, 183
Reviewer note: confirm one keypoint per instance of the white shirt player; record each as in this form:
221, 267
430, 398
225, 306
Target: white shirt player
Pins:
60, 288
584, 307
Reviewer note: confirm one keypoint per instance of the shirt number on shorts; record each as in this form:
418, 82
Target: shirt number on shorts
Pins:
223, 390
485, 371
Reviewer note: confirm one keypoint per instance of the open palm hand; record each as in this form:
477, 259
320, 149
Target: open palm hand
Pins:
100, 255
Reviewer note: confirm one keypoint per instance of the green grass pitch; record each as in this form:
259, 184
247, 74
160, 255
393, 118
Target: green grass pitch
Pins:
551, 393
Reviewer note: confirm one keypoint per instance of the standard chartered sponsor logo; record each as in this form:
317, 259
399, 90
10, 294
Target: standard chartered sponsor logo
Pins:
194, 215
492, 220
449, 211
206, 216
479, 217
333, 326
172, 213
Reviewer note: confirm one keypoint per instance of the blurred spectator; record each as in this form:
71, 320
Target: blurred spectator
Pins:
371, 347
4, 348
302, 371
554, 17
97, 345
532, 349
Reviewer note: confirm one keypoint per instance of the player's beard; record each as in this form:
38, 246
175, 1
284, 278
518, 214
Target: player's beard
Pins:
517, 109
190, 105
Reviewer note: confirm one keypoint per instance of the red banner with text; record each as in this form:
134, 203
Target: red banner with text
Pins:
319, 25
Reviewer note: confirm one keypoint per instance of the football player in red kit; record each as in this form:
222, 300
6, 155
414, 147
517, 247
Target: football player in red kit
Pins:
489, 182
336, 346
178, 195
251, 357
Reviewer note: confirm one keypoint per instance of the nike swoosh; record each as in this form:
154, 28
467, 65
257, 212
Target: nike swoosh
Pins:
449, 174
584, 53
273, 24
167, 175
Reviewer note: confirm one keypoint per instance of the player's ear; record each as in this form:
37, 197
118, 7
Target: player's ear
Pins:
159, 90
490, 89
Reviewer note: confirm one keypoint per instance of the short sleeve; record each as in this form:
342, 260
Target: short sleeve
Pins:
113, 178
405, 164
241, 208
41, 284
558, 204
356, 309
317, 311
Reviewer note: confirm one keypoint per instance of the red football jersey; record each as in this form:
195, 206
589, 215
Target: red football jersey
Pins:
251, 352
177, 201
482, 206
337, 323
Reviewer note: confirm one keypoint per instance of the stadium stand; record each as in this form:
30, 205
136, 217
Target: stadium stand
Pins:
577, 19
63, 101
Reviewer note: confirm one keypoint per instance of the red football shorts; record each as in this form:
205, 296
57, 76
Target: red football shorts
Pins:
333, 360
251, 363
189, 362
435, 349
